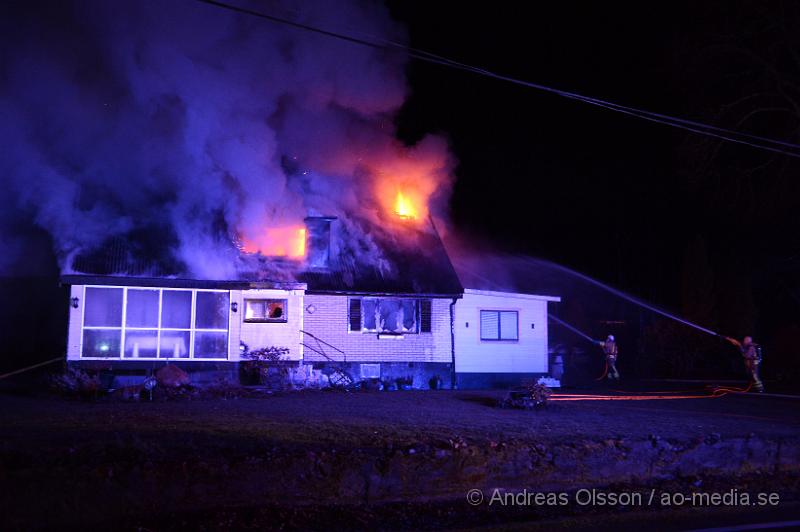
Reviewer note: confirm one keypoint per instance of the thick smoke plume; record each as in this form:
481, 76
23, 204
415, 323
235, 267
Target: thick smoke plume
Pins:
181, 127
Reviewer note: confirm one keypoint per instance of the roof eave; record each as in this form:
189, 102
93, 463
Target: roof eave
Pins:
168, 282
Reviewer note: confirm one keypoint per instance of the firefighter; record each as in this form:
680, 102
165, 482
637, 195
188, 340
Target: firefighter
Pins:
611, 351
752, 359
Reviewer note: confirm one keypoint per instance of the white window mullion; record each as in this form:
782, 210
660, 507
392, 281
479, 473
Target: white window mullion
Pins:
124, 322
228, 332
158, 334
83, 319
192, 324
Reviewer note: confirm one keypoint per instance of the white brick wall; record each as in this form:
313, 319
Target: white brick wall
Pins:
330, 321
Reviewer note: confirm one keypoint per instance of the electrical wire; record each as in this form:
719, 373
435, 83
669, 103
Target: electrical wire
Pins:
755, 141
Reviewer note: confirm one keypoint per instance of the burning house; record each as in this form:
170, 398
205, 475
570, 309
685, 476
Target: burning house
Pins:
210, 184
406, 317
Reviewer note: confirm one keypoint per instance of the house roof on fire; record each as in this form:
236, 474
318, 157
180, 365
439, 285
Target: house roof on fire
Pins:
412, 262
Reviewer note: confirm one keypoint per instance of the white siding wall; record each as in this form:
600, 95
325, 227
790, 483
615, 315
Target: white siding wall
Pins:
526, 355
257, 335
329, 322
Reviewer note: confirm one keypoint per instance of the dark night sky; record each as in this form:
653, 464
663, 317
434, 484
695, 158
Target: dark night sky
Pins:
554, 177
611, 195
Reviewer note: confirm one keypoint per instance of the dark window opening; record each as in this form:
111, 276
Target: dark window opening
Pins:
354, 314
425, 316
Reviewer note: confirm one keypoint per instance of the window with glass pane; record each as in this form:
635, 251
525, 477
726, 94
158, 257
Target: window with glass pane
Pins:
368, 307
265, 310
174, 344
142, 336
141, 344
103, 307
176, 309
142, 309
490, 326
390, 315
176, 313
101, 343
210, 344
499, 325
211, 311
508, 325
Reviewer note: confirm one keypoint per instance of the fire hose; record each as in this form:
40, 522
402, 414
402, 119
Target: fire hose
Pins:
584, 335
605, 369
711, 392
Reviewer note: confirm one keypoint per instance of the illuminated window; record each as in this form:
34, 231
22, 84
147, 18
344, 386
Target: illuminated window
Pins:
370, 371
152, 323
265, 310
102, 319
176, 323
499, 325
211, 324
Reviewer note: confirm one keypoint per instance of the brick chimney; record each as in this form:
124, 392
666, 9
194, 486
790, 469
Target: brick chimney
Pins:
318, 242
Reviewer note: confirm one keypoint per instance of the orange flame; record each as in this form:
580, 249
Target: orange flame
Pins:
287, 242
404, 207
404, 188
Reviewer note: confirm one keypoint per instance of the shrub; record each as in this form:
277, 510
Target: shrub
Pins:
539, 393
268, 363
76, 382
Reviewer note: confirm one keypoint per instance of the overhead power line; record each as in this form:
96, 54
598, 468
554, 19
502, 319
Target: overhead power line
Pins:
729, 135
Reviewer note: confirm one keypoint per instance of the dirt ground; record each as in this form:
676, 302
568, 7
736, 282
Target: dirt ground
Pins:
309, 459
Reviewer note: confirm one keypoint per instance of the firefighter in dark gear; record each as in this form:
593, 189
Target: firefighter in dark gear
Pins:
752, 359
611, 351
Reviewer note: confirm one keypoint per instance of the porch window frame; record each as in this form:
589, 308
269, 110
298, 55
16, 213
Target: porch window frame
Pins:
123, 328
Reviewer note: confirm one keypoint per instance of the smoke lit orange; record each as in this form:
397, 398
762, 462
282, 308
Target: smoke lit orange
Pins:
405, 179
404, 207
287, 242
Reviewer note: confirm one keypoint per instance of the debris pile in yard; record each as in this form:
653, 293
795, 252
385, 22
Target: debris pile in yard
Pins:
171, 376
528, 397
77, 383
